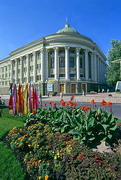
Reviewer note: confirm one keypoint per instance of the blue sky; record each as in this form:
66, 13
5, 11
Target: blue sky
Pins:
23, 21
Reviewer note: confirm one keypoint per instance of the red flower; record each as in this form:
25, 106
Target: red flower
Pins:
71, 105
61, 100
63, 103
54, 104
96, 114
66, 104
85, 108
109, 104
103, 103
45, 105
70, 102
92, 101
72, 97
74, 104
50, 102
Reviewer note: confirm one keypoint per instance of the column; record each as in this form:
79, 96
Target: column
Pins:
67, 63
46, 62
28, 68
78, 63
56, 62
42, 64
11, 72
101, 72
34, 67
92, 67
86, 65
16, 71
95, 67
98, 69
21, 70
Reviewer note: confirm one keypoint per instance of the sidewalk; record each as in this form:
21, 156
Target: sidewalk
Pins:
115, 98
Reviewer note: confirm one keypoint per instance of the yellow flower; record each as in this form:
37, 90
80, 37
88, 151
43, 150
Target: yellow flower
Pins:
46, 177
39, 177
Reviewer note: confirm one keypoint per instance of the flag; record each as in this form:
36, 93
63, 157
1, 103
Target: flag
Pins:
14, 95
19, 97
30, 99
25, 110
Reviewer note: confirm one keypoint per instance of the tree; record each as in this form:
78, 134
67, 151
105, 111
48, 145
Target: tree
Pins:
113, 71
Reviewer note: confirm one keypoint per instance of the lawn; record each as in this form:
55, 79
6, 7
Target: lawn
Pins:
10, 168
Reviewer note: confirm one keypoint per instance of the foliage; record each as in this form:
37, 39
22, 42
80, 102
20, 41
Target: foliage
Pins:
88, 127
49, 155
113, 74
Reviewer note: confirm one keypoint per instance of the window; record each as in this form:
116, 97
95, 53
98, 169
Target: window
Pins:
62, 51
89, 57
25, 69
38, 77
52, 53
24, 59
71, 62
52, 75
61, 75
13, 63
19, 61
52, 62
81, 62
38, 55
81, 75
31, 57
24, 79
71, 51
31, 68
31, 78
38, 66
72, 75
62, 62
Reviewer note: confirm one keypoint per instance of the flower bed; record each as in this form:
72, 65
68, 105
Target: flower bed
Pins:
48, 155
55, 143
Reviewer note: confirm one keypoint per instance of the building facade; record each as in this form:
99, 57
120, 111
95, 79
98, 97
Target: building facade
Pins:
66, 62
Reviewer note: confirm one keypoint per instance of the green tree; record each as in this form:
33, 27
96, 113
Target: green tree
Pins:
113, 73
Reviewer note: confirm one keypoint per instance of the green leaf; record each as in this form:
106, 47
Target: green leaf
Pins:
110, 136
113, 128
90, 122
64, 128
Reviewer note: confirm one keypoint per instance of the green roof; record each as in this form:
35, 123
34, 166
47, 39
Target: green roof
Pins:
67, 29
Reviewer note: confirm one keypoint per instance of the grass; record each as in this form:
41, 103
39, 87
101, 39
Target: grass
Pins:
10, 168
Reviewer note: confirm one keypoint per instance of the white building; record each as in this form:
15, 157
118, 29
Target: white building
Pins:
69, 61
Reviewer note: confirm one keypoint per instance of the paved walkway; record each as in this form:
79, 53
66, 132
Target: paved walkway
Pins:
113, 97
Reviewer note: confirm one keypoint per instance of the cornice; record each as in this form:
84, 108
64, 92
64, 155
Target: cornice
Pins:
4, 60
28, 46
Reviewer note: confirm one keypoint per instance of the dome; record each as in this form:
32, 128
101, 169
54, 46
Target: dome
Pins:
67, 29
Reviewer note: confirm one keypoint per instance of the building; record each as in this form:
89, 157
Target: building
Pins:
65, 62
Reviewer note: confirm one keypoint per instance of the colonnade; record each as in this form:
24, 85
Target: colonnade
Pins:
98, 66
